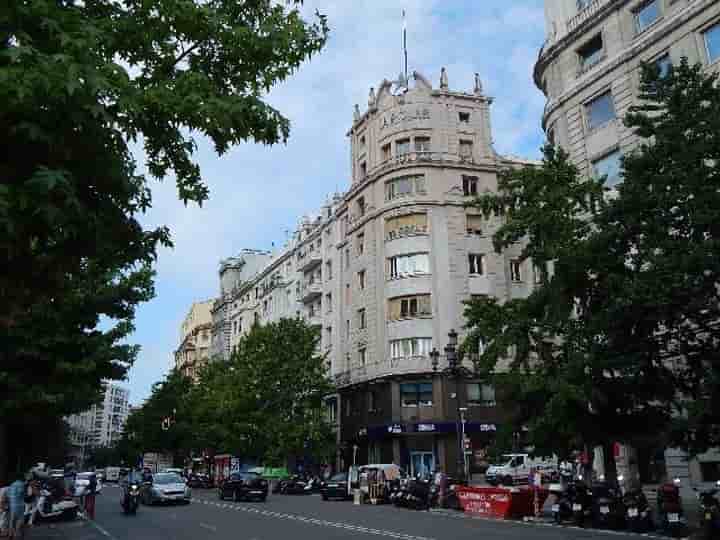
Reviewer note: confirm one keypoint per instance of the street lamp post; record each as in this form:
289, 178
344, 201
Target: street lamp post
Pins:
455, 371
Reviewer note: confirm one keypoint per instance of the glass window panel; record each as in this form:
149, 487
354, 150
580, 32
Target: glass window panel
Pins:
608, 166
647, 15
422, 144
600, 110
488, 394
664, 65
592, 52
712, 42
402, 147
473, 392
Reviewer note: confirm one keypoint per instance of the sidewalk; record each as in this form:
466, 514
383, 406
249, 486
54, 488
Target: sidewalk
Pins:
67, 530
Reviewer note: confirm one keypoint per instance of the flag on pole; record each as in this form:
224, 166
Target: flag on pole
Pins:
404, 44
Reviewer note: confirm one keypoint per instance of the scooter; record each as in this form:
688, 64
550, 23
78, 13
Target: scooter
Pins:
709, 513
608, 511
580, 501
670, 510
49, 508
638, 515
131, 499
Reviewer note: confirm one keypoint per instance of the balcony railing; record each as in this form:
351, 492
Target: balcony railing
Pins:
311, 291
310, 259
406, 230
586, 14
391, 366
418, 158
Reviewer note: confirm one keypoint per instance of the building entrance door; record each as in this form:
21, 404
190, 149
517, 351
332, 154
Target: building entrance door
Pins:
422, 463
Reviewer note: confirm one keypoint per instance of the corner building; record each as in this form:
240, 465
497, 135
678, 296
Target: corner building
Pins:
589, 70
384, 269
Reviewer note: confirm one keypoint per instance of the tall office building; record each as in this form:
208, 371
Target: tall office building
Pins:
383, 270
589, 70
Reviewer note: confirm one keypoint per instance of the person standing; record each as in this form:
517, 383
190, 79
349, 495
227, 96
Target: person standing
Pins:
3, 510
15, 495
90, 497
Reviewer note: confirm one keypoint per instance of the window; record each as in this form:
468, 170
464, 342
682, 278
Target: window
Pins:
347, 293
551, 135
361, 206
406, 307
582, 4
407, 348
664, 65
347, 259
406, 225
540, 273
361, 280
404, 186
363, 170
416, 394
591, 52
328, 270
464, 117
712, 42
476, 264
347, 328
608, 167
362, 142
386, 153
470, 185
328, 335
362, 319
422, 144
482, 395
474, 223
372, 401
348, 407
647, 15
328, 303
515, 274
361, 243
600, 110
466, 149
402, 147
408, 265
362, 356
710, 471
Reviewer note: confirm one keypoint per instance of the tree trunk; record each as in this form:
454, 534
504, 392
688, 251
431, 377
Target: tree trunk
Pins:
4, 453
609, 463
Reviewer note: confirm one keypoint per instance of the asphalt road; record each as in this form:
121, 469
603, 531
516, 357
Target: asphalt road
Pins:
295, 518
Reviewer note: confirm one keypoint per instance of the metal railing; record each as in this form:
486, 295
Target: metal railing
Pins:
586, 14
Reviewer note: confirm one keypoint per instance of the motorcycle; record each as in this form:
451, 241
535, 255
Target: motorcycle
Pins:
670, 511
579, 498
638, 515
710, 513
562, 507
131, 499
52, 508
608, 511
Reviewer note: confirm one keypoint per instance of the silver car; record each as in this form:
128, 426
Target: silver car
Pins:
166, 488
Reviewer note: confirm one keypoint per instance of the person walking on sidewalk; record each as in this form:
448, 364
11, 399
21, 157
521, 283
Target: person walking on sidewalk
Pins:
3, 509
15, 495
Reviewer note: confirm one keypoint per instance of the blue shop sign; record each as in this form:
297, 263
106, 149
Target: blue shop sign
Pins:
385, 430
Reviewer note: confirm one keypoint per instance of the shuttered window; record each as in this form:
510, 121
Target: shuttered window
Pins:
408, 307
405, 225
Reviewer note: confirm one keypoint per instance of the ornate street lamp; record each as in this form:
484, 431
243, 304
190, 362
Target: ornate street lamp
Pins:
455, 371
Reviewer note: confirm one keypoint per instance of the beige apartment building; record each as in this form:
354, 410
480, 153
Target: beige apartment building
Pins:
383, 269
589, 71
195, 339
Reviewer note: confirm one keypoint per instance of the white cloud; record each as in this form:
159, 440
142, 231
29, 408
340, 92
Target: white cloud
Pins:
258, 192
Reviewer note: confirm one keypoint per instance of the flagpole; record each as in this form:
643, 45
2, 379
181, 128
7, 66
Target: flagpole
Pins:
405, 44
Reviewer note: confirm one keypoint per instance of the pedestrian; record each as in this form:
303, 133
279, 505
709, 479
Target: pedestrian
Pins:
3, 509
441, 482
90, 497
15, 495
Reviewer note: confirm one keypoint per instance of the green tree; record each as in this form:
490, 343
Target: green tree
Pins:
624, 329
80, 81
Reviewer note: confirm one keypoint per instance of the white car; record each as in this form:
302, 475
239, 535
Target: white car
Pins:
82, 481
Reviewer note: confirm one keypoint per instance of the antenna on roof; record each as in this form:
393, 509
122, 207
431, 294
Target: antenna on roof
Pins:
404, 45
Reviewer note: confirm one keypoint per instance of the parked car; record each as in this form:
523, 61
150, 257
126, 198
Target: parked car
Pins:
295, 485
336, 487
112, 474
167, 488
515, 469
179, 472
82, 481
243, 486
199, 480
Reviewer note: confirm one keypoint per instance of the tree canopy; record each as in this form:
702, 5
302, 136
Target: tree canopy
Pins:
620, 341
265, 402
80, 82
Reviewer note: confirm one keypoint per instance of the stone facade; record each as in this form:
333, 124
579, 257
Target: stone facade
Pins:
195, 339
383, 270
589, 70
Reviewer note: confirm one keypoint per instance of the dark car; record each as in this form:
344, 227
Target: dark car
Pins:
244, 486
295, 485
335, 487
198, 480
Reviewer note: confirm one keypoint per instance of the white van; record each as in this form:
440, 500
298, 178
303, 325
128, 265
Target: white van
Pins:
112, 474
515, 469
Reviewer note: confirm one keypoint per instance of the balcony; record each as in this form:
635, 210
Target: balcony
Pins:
313, 319
406, 230
311, 291
418, 159
586, 14
310, 260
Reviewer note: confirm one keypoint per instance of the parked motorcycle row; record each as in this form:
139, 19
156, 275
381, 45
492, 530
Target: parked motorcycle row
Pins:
601, 505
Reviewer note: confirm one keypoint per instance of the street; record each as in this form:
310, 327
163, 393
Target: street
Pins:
296, 517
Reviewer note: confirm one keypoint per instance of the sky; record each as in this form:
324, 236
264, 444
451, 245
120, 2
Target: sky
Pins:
257, 193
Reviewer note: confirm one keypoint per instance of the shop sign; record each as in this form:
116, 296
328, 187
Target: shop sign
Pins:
395, 428
234, 465
488, 427
426, 427
362, 432
402, 116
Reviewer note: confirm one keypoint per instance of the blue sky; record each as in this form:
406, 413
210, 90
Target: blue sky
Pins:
259, 192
